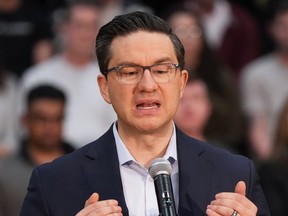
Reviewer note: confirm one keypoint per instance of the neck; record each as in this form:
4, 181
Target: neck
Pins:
41, 155
146, 147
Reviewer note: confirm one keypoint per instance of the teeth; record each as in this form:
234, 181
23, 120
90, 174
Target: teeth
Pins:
147, 106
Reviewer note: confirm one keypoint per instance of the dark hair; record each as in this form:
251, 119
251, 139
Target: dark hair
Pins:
45, 92
274, 8
129, 23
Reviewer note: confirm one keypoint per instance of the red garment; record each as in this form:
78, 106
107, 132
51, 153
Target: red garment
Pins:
241, 42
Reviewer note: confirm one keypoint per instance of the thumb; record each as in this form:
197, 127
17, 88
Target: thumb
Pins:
241, 188
92, 199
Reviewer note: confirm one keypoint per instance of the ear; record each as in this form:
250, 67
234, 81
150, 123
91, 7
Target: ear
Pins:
184, 78
103, 87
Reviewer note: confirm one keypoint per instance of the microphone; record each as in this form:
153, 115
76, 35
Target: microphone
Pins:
160, 170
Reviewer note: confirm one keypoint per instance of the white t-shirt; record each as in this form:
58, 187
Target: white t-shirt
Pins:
264, 87
87, 114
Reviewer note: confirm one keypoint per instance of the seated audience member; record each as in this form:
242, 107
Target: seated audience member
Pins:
141, 62
8, 122
273, 173
226, 122
232, 32
43, 143
25, 35
194, 109
264, 86
75, 71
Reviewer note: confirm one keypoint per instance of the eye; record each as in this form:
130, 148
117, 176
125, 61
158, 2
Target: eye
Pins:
161, 69
129, 71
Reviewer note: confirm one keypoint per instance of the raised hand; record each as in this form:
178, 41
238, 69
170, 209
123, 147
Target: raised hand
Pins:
100, 208
232, 204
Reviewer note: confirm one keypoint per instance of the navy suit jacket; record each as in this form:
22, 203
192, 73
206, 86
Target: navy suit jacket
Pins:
61, 188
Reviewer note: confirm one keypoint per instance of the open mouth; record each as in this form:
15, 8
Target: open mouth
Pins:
146, 106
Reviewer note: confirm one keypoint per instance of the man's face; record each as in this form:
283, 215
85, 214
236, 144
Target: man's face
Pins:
43, 122
279, 31
145, 106
81, 29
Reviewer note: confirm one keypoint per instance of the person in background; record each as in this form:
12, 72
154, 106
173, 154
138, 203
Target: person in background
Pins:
232, 32
226, 123
25, 35
8, 122
142, 63
264, 86
194, 109
75, 71
43, 143
273, 173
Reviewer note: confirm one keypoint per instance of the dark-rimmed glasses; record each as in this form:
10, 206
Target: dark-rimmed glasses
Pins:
132, 74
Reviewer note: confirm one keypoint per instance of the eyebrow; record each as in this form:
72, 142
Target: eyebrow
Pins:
159, 61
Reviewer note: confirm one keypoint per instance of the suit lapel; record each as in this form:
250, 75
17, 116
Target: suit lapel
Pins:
194, 176
102, 170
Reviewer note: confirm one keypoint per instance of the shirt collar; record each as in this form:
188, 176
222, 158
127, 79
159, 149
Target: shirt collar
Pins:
125, 156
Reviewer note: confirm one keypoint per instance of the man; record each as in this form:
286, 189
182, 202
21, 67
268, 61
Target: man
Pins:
141, 60
264, 85
75, 71
43, 122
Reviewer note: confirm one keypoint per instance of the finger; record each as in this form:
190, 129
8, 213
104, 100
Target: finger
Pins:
227, 203
210, 212
232, 200
241, 188
238, 198
106, 210
221, 210
235, 201
92, 199
97, 205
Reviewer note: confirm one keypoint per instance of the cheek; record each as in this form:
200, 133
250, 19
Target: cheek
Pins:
35, 131
172, 99
120, 98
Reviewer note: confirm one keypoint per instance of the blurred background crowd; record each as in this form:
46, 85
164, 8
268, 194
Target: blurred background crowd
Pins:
236, 53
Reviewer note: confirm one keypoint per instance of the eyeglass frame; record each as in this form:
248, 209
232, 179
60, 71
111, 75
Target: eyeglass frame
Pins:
116, 69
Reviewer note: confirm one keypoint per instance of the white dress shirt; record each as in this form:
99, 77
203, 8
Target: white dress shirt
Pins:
138, 185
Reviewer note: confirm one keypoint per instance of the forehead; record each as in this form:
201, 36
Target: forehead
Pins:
143, 48
83, 12
283, 15
45, 104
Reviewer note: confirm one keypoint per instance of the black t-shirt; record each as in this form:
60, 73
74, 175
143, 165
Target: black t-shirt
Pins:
19, 31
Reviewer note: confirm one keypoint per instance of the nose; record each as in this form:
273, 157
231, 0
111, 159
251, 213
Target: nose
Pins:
147, 82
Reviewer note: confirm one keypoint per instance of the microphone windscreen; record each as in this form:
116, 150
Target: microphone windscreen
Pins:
160, 166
